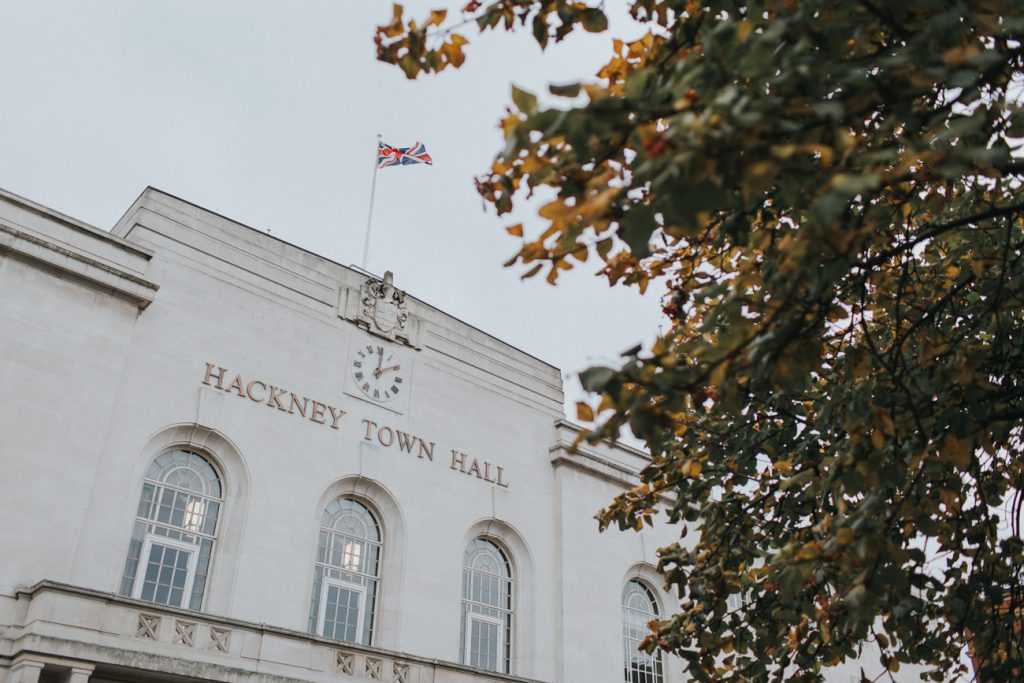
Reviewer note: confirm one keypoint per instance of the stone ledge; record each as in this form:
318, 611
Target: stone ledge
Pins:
73, 266
61, 620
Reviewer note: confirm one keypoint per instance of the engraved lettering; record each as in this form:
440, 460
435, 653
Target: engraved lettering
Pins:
336, 415
286, 401
458, 461
210, 374
295, 404
429, 452
501, 482
475, 469
405, 441
487, 472
236, 386
248, 390
275, 398
380, 436
369, 426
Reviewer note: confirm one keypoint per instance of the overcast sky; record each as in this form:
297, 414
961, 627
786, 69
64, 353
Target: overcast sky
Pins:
267, 112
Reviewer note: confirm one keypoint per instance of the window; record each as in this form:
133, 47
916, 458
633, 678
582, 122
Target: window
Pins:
175, 530
486, 607
347, 573
638, 608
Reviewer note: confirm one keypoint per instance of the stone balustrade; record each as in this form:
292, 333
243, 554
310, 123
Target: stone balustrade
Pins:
82, 633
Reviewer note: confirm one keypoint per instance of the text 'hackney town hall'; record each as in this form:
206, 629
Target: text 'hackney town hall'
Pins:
225, 458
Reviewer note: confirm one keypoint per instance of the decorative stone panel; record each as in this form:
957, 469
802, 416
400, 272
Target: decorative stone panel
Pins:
147, 627
184, 633
373, 668
344, 663
220, 640
399, 672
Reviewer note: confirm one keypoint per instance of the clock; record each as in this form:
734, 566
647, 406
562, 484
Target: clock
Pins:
377, 371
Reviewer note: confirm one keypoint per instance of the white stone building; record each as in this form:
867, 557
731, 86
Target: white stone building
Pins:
226, 458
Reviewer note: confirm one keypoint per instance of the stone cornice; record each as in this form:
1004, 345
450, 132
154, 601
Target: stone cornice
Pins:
76, 266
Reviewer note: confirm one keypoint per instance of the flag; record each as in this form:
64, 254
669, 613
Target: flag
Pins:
394, 156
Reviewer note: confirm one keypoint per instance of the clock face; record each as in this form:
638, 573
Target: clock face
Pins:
378, 373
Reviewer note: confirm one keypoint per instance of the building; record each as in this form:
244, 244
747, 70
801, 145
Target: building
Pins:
225, 458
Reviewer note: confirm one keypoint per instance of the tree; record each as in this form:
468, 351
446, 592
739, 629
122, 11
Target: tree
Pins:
830, 191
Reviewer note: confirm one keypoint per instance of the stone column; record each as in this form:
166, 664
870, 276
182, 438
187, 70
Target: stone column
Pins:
25, 671
80, 674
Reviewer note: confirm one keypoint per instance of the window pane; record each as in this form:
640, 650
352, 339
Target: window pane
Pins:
349, 552
638, 608
180, 501
486, 607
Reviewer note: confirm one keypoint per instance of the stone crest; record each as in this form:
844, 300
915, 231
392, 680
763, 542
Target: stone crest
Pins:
382, 308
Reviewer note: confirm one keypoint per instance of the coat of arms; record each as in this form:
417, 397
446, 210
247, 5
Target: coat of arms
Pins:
382, 308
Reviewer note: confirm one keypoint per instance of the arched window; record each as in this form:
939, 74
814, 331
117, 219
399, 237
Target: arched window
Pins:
175, 530
347, 572
638, 608
486, 607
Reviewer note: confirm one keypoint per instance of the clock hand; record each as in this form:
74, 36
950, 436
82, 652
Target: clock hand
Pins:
383, 370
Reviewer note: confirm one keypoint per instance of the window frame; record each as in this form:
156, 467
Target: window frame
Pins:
367, 617
506, 622
152, 539
484, 619
328, 583
148, 528
629, 644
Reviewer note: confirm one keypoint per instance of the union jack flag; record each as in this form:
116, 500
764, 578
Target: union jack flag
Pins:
394, 156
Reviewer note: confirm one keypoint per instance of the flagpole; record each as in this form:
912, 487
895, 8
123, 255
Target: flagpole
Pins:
369, 215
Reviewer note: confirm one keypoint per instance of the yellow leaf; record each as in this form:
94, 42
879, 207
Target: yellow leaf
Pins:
877, 438
437, 16
783, 466
960, 54
453, 53
743, 29
532, 164
515, 230
584, 412
959, 451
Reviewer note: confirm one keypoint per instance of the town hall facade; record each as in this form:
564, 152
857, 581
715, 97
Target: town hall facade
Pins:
224, 458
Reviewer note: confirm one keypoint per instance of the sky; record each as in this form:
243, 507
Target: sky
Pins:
268, 112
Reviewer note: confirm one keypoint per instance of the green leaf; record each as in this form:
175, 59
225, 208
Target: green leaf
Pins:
636, 230
525, 101
596, 378
594, 20
567, 90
